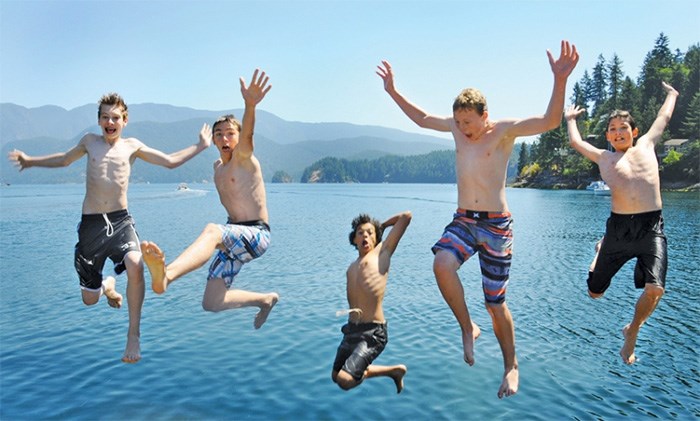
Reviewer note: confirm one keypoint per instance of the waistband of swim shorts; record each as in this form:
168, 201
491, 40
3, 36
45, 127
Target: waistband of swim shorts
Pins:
255, 223
366, 325
644, 215
482, 214
112, 216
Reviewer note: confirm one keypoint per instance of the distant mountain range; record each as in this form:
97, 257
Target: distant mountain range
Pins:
280, 145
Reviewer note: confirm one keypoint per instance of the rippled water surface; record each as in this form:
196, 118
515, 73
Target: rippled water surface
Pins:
60, 359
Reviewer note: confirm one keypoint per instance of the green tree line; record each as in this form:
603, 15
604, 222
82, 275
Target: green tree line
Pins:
550, 161
434, 167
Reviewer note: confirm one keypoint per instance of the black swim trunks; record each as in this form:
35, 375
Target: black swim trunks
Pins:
362, 343
101, 236
626, 237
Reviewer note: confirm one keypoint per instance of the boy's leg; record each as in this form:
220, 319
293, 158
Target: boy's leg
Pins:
505, 333
396, 372
135, 291
217, 297
445, 266
645, 307
194, 257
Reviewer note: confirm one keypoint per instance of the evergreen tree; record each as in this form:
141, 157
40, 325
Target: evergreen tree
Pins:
587, 88
660, 58
598, 84
523, 157
691, 124
615, 80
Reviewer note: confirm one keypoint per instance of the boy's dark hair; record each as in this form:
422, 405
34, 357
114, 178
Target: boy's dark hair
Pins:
112, 98
624, 116
228, 118
361, 219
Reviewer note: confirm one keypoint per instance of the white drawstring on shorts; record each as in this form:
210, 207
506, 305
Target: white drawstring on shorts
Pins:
110, 228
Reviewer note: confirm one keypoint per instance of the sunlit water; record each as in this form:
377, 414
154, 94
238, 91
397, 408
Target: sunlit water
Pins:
60, 359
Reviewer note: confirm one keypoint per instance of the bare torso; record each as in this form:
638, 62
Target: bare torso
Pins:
633, 178
107, 173
366, 284
481, 167
241, 189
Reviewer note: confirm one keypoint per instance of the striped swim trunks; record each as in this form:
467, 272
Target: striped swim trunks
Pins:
244, 241
491, 235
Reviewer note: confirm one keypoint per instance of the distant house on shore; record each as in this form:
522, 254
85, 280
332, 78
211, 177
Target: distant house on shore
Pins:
677, 145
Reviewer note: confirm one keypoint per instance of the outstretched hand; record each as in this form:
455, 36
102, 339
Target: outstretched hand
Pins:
568, 57
387, 76
18, 159
258, 88
573, 111
205, 136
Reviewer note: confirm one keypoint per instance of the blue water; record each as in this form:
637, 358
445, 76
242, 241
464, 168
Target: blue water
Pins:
60, 359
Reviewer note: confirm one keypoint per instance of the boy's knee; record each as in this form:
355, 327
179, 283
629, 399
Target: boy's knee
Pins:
209, 305
212, 229
653, 290
90, 299
345, 381
445, 263
595, 295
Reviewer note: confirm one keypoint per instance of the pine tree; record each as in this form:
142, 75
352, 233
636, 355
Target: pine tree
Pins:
598, 84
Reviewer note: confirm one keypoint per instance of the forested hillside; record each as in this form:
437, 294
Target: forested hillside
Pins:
550, 162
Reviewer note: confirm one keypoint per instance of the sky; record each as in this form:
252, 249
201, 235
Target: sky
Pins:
321, 56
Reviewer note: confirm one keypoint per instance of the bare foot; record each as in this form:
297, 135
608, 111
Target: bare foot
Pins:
509, 387
468, 344
261, 317
627, 351
397, 374
114, 299
132, 353
154, 258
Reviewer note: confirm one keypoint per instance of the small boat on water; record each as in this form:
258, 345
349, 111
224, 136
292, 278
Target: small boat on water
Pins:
599, 188
182, 186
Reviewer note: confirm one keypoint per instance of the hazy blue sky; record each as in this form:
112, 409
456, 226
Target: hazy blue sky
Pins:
320, 55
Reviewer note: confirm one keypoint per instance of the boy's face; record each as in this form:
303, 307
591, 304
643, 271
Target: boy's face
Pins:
365, 238
620, 134
225, 137
470, 123
112, 121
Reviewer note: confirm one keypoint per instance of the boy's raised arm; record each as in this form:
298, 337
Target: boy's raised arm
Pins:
561, 69
399, 223
57, 160
175, 159
414, 112
583, 147
252, 95
662, 117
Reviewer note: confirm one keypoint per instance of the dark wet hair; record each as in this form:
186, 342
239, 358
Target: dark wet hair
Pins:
624, 116
362, 219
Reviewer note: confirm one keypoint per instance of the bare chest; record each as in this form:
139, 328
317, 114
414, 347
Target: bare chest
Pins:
631, 167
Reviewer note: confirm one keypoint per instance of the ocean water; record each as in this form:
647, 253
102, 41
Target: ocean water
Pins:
61, 360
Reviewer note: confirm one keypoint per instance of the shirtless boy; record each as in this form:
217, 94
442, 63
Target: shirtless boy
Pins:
482, 222
246, 234
106, 228
365, 334
635, 227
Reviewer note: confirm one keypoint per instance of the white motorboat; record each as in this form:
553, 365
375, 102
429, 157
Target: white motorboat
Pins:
599, 188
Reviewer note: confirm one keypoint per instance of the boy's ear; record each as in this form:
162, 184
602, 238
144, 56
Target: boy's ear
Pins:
635, 132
